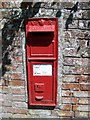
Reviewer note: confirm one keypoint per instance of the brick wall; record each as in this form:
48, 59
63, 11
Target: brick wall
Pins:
73, 59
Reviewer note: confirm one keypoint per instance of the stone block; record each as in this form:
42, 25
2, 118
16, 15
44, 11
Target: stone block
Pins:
73, 70
82, 62
19, 104
18, 91
71, 25
20, 116
6, 89
20, 111
84, 5
84, 24
81, 108
40, 112
18, 98
70, 78
65, 113
84, 101
7, 96
81, 94
6, 115
71, 52
66, 93
86, 14
1, 109
80, 114
67, 107
67, 4
70, 86
7, 103
7, 110
83, 34
70, 100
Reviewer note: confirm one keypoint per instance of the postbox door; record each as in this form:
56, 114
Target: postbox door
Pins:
42, 84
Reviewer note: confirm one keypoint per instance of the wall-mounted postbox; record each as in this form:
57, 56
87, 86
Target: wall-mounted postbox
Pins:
41, 49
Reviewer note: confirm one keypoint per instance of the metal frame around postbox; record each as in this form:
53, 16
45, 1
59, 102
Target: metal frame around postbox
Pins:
47, 58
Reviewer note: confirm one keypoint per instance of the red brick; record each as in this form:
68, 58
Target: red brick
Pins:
85, 87
17, 83
70, 78
70, 86
66, 93
81, 108
13, 68
66, 107
18, 91
65, 113
19, 59
84, 78
84, 101
17, 76
70, 100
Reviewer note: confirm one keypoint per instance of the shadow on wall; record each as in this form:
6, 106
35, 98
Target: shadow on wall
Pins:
13, 24
70, 18
8, 34
16, 21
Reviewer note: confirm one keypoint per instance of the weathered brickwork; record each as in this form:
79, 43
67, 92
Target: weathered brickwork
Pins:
73, 58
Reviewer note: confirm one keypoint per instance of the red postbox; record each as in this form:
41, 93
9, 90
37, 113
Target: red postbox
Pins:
42, 54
